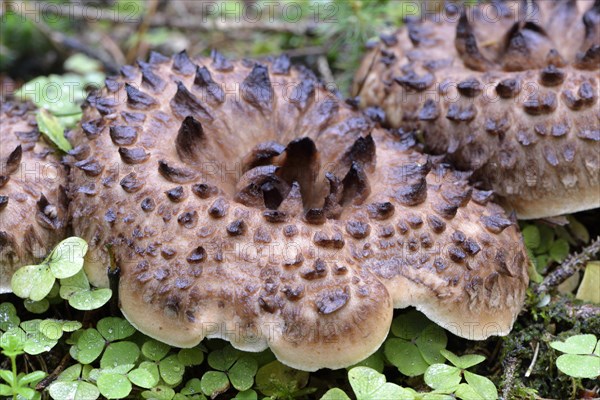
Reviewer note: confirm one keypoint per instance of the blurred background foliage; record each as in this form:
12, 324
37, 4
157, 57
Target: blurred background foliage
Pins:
329, 36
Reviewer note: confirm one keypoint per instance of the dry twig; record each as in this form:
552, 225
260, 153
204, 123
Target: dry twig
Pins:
571, 265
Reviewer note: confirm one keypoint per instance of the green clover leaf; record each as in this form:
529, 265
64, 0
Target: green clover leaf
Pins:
8, 317
578, 344
214, 383
278, 380
442, 377
463, 362
32, 281
418, 344
113, 385
369, 384
582, 358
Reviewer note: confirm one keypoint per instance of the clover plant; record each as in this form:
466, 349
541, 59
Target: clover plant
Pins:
416, 343
581, 358
449, 378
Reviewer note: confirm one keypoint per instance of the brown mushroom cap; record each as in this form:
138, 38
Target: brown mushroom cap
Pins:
506, 91
33, 202
246, 202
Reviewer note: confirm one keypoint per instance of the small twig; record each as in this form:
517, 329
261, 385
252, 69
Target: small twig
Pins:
509, 376
533, 360
582, 311
220, 25
324, 69
44, 383
133, 52
61, 41
573, 264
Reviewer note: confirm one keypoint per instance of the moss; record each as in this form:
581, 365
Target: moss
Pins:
540, 326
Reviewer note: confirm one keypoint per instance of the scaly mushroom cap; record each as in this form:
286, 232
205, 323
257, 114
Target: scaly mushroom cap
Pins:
33, 202
246, 202
507, 91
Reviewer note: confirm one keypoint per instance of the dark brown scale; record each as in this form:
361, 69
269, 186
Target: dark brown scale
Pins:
466, 45
415, 82
123, 135
497, 126
182, 64
261, 235
92, 128
131, 184
356, 187
190, 140
387, 57
204, 190
275, 216
589, 134
176, 194
112, 84
426, 240
4, 180
262, 154
495, 223
539, 104
150, 79
175, 175
204, 82
133, 156
132, 118
362, 151
552, 76
188, 219
148, 204
456, 254
471, 247
256, 88
470, 87
185, 104
156, 58
459, 113
219, 208
589, 59
197, 255
388, 40
80, 152
414, 221
139, 100
293, 293
315, 216
13, 161
482, 196
290, 231
357, 229
267, 304
430, 111
91, 167
386, 231
3, 202
237, 228
436, 224
129, 72
380, 211
508, 88
445, 209
333, 301
168, 253
281, 65
319, 271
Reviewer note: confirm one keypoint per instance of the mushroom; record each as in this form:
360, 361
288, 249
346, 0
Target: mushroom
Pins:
33, 202
244, 201
507, 89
